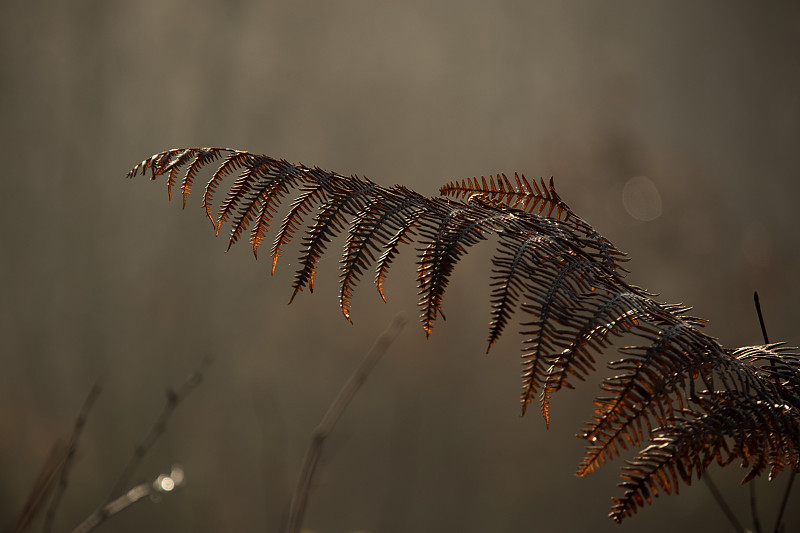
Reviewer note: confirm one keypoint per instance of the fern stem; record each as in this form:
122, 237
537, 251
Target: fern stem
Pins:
754, 507
300, 497
753, 502
174, 398
722, 503
71, 449
785, 500
788, 490
761, 318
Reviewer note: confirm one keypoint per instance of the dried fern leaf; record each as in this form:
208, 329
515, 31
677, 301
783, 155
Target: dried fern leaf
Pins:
679, 395
371, 231
524, 195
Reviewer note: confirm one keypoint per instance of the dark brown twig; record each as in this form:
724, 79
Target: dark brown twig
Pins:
784, 501
42, 487
321, 432
754, 507
788, 490
722, 503
54, 472
174, 397
119, 498
72, 447
752, 485
162, 484
761, 318
274, 451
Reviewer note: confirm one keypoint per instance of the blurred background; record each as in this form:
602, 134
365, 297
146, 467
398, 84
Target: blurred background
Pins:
672, 127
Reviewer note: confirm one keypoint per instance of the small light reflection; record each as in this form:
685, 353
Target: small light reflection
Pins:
177, 474
167, 483
641, 199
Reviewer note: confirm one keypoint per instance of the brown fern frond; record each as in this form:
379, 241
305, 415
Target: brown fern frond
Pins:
201, 158
403, 235
345, 200
605, 314
313, 194
655, 380
461, 228
510, 274
170, 162
730, 426
236, 160
553, 302
678, 392
386, 213
242, 191
255, 195
523, 195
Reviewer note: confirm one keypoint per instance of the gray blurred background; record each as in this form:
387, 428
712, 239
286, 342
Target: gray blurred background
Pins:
672, 127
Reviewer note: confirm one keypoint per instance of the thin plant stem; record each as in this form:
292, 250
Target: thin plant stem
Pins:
300, 496
722, 503
119, 498
174, 397
761, 318
778, 522
54, 472
274, 451
163, 483
72, 446
788, 490
752, 485
754, 507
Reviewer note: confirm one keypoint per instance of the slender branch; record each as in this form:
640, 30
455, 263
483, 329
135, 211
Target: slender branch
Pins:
72, 446
761, 318
321, 432
162, 484
722, 503
779, 521
274, 451
754, 507
54, 472
173, 399
752, 485
785, 500
119, 499
42, 487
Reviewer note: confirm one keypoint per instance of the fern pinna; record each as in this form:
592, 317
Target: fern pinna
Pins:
680, 394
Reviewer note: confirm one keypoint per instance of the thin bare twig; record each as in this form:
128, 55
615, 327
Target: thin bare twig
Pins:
785, 500
752, 485
321, 432
754, 507
162, 484
761, 318
120, 499
779, 521
72, 447
174, 397
274, 451
722, 503
43, 485
54, 472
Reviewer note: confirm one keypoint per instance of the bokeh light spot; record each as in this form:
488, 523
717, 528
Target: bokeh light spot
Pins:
641, 199
167, 483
